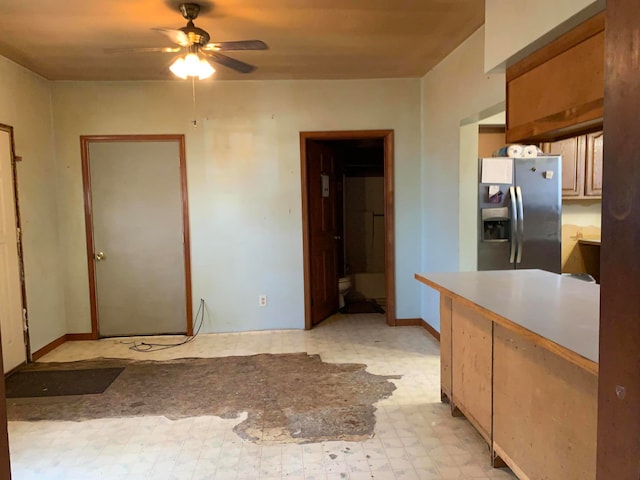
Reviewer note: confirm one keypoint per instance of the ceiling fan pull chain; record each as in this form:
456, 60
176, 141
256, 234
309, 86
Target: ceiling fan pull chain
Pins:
193, 90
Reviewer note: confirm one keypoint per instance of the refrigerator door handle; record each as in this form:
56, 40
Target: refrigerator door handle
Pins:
520, 222
514, 220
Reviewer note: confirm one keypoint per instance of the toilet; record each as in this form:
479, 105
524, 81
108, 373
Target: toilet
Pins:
344, 285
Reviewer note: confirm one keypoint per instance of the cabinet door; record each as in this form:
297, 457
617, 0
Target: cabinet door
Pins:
593, 184
572, 152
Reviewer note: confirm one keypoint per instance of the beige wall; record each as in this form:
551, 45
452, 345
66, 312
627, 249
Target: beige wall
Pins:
25, 104
515, 28
243, 170
364, 232
455, 90
497, 119
468, 199
582, 213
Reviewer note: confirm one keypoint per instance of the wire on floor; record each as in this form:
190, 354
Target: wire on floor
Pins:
154, 347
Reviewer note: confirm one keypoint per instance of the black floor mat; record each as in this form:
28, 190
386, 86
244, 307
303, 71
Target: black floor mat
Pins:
366, 306
53, 383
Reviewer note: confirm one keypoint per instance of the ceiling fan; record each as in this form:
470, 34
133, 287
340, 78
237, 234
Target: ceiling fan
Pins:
194, 42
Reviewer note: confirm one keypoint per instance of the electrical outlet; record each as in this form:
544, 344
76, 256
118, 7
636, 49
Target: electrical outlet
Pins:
262, 300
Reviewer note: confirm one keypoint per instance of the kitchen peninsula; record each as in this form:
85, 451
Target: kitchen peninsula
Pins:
519, 359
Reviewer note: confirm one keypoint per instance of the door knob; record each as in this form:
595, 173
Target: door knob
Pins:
100, 256
337, 237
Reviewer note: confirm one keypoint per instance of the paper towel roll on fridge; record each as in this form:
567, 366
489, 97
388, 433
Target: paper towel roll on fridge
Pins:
518, 151
511, 151
515, 151
529, 151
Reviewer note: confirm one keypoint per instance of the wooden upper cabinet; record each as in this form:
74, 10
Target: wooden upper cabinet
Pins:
573, 161
559, 89
581, 165
593, 184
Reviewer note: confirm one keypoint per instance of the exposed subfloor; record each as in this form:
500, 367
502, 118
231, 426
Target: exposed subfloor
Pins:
281, 406
415, 436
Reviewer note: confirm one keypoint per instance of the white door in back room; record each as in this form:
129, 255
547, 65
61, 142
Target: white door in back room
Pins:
140, 262
11, 325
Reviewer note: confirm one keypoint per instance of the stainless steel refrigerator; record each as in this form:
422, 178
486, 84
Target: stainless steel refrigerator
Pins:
520, 213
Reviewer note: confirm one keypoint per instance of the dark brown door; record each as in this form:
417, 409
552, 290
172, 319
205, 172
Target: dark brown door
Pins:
323, 236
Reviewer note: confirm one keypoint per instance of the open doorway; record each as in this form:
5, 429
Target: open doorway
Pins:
348, 228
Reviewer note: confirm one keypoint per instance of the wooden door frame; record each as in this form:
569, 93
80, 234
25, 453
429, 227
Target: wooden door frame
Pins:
389, 224
23, 286
85, 141
618, 444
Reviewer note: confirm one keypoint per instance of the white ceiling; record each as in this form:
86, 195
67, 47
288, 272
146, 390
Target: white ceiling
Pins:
308, 39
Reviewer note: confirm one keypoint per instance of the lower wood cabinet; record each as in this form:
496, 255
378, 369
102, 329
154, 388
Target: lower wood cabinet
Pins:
536, 410
544, 411
471, 376
581, 165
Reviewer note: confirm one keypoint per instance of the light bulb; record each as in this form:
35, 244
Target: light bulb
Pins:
192, 66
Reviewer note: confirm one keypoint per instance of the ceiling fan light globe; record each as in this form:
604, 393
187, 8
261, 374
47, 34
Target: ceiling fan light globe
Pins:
178, 68
191, 64
205, 69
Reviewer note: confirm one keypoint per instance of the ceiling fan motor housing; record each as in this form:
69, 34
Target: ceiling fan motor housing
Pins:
197, 36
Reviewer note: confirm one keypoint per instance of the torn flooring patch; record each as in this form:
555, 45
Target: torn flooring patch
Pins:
293, 397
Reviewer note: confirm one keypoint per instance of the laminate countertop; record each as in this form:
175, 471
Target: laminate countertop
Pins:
590, 241
558, 309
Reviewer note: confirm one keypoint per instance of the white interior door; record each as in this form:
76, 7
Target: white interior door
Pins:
137, 215
11, 327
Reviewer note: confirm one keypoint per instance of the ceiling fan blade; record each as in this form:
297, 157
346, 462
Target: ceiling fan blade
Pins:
239, 45
143, 50
176, 36
229, 62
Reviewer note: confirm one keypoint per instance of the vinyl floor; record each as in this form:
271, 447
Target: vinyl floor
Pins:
414, 437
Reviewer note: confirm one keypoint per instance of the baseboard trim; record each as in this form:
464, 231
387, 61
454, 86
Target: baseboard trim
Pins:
418, 322
408, 322
72, 337
434, 333
48, 347
69, 337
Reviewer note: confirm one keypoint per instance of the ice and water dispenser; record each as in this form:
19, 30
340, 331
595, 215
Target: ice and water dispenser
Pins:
496, 224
